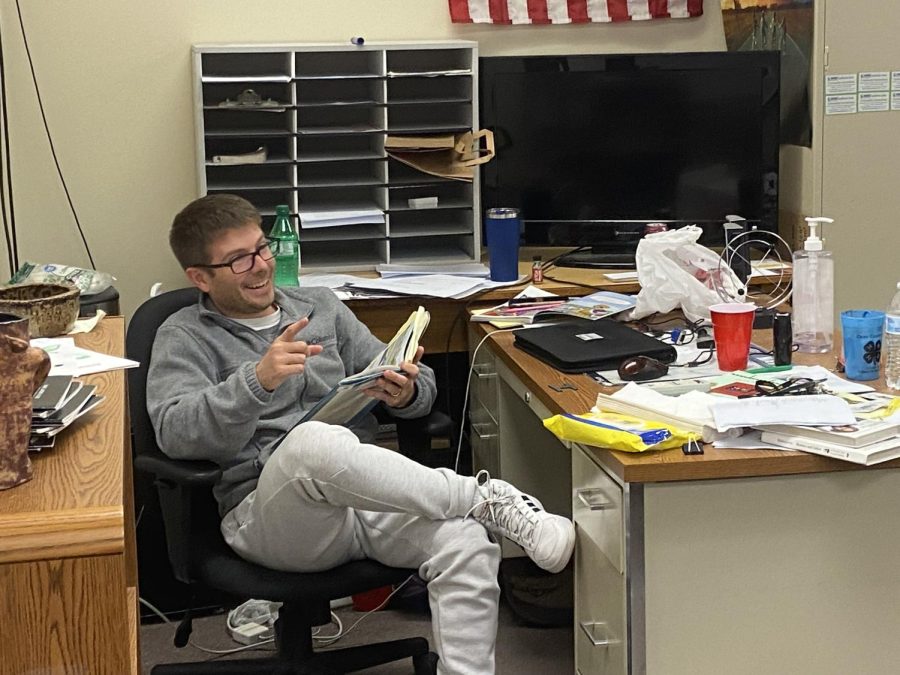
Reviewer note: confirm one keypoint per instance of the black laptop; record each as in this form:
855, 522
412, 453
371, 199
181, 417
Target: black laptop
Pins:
582, 345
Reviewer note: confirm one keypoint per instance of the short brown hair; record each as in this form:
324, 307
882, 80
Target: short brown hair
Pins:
198, 224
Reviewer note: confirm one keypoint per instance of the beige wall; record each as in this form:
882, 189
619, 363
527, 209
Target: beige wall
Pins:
116, 83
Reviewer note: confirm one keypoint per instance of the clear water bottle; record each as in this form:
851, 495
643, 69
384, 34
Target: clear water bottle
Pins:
287, 259
890, 350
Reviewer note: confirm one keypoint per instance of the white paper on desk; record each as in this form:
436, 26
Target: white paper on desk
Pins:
532, 291
331, 281
436, 285
833, 383
751, 440
67, 359
695, 406
621, 276
487, 285
815, 409
87, 324
470, 269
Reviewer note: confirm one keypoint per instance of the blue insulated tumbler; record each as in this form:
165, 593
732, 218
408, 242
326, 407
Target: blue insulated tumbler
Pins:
502, 227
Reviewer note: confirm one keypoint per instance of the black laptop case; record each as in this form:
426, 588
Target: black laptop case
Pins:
582, 345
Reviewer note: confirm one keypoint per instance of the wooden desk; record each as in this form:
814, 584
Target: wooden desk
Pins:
68, 575
737, 561
447, 330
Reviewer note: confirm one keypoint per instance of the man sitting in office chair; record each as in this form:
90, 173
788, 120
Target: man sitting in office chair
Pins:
234, 373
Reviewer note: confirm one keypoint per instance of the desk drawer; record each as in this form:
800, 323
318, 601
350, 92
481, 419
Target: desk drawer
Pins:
484, 438
600, 611
597, 507
484, 381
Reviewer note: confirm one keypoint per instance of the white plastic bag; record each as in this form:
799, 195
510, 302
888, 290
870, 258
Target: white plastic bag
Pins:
675, 271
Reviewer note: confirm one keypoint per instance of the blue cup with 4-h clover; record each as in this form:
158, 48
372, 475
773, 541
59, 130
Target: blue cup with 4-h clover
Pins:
862, 330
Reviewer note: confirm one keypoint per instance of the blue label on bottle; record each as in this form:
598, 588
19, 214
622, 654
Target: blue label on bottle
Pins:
892, 324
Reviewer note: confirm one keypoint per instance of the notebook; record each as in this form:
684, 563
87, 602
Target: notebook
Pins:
580, 345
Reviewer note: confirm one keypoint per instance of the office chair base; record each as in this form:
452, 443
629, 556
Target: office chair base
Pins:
334, 662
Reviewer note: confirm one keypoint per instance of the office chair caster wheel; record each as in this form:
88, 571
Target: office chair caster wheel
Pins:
425, 664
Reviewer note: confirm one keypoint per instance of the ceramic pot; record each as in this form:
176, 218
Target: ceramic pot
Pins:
22, 370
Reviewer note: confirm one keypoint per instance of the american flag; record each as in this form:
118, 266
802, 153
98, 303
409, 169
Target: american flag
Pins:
570, 11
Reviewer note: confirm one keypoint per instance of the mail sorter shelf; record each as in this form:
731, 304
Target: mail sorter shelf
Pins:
305, 125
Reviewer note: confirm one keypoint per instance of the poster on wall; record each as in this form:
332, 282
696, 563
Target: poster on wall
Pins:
785, 26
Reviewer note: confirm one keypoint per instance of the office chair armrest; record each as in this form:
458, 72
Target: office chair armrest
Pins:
438, 425
193, 473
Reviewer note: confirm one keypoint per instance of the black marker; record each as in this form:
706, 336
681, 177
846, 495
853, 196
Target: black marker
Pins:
547, 299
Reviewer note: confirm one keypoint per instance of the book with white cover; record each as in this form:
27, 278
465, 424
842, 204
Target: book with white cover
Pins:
862, 432
347, 402
874, 453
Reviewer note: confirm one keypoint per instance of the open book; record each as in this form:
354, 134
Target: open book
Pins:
522, 311
347, 402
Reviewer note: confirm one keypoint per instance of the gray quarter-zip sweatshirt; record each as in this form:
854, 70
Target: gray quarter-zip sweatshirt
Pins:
204, 399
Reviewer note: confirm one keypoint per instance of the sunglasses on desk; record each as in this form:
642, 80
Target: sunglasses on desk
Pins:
790, 387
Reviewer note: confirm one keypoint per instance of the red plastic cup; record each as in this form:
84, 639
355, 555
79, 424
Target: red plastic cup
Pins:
732, 325
369, 600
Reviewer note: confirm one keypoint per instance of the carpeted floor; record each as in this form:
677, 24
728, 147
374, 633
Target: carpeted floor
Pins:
521, 650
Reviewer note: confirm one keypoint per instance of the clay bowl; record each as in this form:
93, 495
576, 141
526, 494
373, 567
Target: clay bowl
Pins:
51, 309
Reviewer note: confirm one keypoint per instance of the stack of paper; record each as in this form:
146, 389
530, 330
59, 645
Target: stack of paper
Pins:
312, 216
471, 269
67, 359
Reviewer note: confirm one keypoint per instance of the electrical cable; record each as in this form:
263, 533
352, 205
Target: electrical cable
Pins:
5, 175
193, 644
62, 180
330, 640
570, 283
462, 424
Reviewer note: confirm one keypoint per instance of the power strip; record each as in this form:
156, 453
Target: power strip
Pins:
250, 633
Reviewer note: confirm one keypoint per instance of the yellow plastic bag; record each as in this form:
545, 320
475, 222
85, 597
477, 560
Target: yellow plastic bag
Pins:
617, 432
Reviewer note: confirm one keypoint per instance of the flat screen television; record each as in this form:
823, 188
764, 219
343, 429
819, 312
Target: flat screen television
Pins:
592, 148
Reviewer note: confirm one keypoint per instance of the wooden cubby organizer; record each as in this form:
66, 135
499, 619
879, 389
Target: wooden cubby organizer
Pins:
322, 115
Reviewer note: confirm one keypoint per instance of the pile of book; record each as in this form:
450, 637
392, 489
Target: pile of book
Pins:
527, 309
58, 402
868, 441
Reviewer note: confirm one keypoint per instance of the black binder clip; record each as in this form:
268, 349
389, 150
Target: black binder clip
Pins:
692, 447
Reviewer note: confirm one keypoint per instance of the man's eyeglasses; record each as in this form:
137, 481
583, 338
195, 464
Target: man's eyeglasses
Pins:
240, 264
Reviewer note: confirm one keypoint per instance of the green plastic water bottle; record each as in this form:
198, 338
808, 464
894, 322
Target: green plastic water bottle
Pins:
287, 259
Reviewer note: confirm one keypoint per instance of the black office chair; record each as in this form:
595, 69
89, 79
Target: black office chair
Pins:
199, 555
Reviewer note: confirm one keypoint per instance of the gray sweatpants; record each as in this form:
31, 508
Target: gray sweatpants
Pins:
324, 498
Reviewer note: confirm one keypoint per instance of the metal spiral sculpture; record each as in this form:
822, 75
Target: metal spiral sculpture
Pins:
753, 251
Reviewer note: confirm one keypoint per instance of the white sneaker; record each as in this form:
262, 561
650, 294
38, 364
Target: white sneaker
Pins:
547, 539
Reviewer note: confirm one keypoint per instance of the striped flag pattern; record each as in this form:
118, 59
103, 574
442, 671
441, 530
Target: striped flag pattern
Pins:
570, 11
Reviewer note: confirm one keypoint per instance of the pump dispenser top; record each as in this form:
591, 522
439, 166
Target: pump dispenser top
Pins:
813, 242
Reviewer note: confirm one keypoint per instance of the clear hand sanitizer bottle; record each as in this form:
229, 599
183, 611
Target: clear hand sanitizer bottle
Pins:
813, 296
